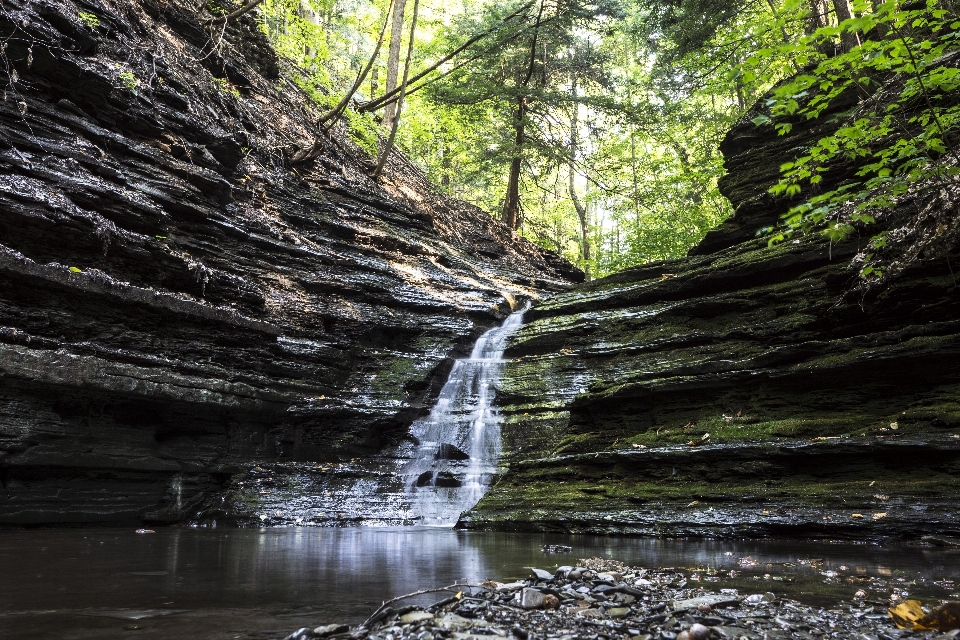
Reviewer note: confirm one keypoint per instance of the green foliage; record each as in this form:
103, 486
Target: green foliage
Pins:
226, 87
89, 19
900, 81
129, 80
658, 84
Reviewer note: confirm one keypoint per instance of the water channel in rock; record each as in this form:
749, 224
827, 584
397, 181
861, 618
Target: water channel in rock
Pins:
459, 442
224, 584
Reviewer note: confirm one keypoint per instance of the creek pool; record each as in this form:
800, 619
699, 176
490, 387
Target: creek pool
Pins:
235, 584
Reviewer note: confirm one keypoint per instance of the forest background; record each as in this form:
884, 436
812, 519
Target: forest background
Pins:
592, 127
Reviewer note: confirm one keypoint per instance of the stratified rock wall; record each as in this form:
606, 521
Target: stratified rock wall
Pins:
744, 390
177, 301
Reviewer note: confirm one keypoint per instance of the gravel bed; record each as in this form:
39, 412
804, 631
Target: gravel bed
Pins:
600, 598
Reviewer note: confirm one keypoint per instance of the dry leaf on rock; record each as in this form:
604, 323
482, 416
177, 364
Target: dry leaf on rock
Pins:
909, 615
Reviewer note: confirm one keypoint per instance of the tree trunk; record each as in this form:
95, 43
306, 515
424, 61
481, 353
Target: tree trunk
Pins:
307, 13
818, 16
849, 40
395, 119
572, 187
393, 57
511, 201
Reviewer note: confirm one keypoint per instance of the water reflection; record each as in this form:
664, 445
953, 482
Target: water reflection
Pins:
342, 574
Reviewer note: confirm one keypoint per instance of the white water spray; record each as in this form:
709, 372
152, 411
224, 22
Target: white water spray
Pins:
460, 440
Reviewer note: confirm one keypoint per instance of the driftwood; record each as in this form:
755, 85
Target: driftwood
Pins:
387, 603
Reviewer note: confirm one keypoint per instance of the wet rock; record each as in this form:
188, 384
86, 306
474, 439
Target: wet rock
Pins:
540, 574
415, 616
448, 451
330, 629
715, 600
531, 599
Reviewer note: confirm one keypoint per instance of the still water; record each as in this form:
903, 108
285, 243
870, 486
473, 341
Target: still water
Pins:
248, 583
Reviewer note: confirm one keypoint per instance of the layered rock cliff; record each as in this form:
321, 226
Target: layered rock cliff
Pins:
178, 301
744, 390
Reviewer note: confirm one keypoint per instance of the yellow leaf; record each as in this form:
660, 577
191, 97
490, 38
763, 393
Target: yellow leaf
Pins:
857, 515
76, 269
909, 615
459, 595
906, 614
877, 516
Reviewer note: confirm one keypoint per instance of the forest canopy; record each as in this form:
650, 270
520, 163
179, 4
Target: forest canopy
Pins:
592, 127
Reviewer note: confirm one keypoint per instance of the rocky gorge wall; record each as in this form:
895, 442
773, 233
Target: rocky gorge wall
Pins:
179, 301
746, 390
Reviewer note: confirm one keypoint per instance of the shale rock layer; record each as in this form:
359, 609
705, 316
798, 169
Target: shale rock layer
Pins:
178, 300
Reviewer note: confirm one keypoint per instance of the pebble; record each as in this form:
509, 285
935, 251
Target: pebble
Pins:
671, 608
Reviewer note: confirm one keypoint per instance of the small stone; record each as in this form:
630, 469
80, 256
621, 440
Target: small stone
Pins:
618, 612
415, 616
453, 622
704, 607
531, 599
698, 632
711, 600
563, 571
576, 574
590, 613
329, 630
540, 574
517, 632
551, 601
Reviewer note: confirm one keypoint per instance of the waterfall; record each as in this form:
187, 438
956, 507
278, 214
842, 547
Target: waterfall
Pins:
459, 442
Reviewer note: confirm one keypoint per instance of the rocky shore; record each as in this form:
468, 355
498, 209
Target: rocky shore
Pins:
601, 598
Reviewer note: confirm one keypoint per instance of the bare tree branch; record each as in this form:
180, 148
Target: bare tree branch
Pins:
247, 8
386, 603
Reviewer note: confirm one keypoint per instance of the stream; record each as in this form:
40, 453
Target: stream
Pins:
263, 583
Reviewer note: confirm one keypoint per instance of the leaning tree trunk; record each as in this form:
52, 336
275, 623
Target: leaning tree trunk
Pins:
511, 202
393, 57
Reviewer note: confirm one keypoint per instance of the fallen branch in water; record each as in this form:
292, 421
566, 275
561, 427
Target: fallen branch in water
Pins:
386, 603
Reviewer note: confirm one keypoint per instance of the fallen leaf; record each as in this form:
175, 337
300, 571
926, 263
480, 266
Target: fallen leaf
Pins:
695, 502
877, 516
906, 614
909, 615
857, 515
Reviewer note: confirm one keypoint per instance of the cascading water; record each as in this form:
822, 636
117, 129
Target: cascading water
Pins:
460, 440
